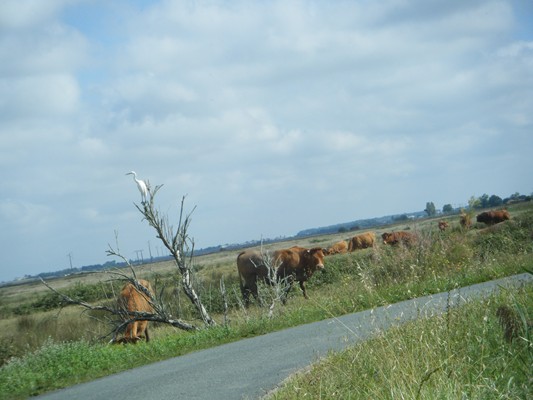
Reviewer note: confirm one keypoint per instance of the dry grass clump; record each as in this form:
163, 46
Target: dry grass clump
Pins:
465, 220
431, 255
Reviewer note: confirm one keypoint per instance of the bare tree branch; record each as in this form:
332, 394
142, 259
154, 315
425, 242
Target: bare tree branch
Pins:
179, 244
278, 288
225, 301
127, 317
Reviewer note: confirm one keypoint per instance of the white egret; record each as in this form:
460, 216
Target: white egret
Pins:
140, 184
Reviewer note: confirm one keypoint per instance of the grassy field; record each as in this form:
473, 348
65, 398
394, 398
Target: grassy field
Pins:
41, 345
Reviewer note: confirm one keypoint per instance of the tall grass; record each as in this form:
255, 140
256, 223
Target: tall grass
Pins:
462, 354
350, 282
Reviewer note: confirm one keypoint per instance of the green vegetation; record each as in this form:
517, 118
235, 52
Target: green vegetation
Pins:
51, 300
430, 209
46, 350
447, 209
461, 354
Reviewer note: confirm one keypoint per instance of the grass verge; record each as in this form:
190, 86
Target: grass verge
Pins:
463, 354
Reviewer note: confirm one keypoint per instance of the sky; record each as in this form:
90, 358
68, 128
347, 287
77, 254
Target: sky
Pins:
270, 117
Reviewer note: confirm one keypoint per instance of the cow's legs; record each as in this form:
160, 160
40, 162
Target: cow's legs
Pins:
146, 334
255, 293
134, 330
288, 281
250, 288
302, 286
245, 295
127, 334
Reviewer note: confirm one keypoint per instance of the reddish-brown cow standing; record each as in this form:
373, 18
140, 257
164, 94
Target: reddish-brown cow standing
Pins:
362, 241
133, 299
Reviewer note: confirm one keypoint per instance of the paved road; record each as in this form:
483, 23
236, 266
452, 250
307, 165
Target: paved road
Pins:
249, 368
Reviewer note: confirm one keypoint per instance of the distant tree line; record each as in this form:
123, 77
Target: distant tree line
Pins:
359, 224
87, 268
476, 203
485, 201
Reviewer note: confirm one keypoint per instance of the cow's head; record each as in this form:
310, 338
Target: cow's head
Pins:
314, 258
386, 237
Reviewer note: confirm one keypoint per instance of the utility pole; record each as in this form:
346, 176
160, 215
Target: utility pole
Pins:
150, 251
142, 259
69, 255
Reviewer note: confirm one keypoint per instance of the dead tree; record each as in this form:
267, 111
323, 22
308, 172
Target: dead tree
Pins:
178, 243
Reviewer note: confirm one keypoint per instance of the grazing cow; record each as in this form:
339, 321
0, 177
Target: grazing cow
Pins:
402, 237
493, 217
465, 220
251, 267
294, 264
337, 248
132, 299
443, 225
362, 241
298, 264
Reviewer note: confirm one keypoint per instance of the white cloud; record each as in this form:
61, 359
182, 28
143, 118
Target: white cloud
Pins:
521, 49
49, 49
93, 147
20, 14
24, 217
364, 145
39, 96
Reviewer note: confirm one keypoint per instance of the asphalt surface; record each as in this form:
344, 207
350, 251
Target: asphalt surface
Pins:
250, 368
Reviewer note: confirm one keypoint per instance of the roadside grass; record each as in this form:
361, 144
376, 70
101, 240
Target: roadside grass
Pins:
66, 350
461, 354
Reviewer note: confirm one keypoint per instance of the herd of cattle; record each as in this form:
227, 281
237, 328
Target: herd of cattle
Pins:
287, 265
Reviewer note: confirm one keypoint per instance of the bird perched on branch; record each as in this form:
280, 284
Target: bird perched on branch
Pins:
143, 188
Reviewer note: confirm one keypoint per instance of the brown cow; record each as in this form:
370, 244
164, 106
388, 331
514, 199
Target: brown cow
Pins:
298, 264
294, 264
251, 267
443, 225
402, 237
337, 248
493, 217
362, 241
132, 299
